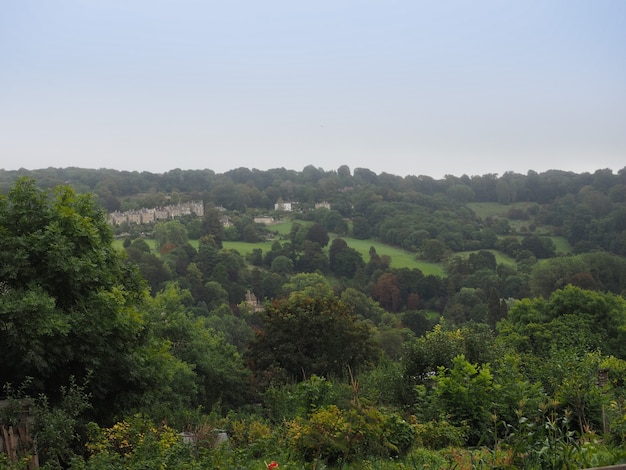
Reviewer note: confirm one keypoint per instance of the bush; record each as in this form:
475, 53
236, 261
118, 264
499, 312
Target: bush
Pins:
136, 443
332, 434
440, 434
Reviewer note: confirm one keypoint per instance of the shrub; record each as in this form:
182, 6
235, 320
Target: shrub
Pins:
440, 434
332, 434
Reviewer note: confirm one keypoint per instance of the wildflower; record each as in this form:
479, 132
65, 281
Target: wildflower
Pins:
272, 465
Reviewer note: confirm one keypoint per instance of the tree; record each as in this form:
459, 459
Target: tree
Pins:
434, 250
305, 335
572, 318
387, 292
460, 193
343, 260
170, 232
151, 267
362, 305
416, 321
540, 247
212, 225
464, 394
482, 260
282, 265
343, 172
360, 228
312, 258
318, 234
218, 369
69, 302
309, 284
440, 346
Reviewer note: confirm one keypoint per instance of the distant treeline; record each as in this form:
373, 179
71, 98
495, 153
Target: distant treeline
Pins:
588, 209
240, 188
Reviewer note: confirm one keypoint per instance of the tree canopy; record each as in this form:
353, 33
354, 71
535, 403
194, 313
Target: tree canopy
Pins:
69, 301
306, 335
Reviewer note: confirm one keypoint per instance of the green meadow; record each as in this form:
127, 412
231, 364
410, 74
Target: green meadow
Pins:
399, 258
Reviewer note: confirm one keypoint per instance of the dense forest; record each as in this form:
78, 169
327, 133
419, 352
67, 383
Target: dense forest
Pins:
493, 337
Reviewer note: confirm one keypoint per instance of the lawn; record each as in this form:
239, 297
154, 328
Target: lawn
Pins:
399, 258
245, 248
561, 245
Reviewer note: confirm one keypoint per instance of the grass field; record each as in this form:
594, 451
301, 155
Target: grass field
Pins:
562, 245
399, 258
282, 228
245, 248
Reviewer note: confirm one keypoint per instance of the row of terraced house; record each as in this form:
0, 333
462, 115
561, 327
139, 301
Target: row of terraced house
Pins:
157, 214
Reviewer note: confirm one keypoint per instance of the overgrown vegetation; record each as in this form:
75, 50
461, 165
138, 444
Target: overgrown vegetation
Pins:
503, 351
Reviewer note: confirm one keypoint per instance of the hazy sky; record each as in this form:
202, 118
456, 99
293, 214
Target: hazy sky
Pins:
403, 86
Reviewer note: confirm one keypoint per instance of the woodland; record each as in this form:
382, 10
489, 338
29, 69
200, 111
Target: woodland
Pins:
412, 322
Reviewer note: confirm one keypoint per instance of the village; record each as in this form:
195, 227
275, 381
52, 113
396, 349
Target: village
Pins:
150, 216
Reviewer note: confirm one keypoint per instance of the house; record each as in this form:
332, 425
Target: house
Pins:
264, 220
226, 221
149, 216
322, 205
253, 302
197, 207
118, 218
134, 217
283, 206
161, 213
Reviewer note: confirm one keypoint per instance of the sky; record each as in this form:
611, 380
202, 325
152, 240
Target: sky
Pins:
407, 87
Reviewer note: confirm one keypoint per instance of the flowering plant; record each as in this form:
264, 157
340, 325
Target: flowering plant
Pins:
272, 465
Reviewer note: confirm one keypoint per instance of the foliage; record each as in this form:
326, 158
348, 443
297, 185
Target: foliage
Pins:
463, 394
537, 396
54, 430
573, 318
210, 369
438, 348
332, 434
304, 335
173, 232
440, 434
69, 304
135, 443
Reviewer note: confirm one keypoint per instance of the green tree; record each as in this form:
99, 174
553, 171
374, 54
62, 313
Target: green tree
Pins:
69, 302
218, 370
309, 284
282, 265
362, 305
440, 346
464, 395
572, 318
170, 232
318, 234
360, 228
151, 267
343, 260
306, 335
434, 250
212, 225
460, 193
